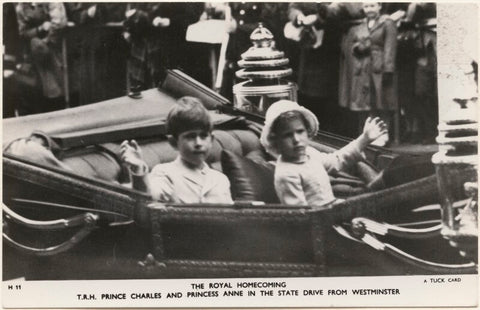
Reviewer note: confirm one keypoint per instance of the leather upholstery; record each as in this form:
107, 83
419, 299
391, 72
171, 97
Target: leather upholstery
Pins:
250, 180
238, 148
103, 161
99, 164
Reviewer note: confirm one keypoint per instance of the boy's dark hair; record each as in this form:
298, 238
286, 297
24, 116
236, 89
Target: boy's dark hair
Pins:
188, 114
286, 118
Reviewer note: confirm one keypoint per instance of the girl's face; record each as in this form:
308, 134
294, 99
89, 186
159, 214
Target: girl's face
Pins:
292, 140
371, 9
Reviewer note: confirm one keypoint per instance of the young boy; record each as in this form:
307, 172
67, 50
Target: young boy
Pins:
188, 179
301, 171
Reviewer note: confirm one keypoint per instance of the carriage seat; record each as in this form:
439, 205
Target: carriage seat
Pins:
103, 161
236, 151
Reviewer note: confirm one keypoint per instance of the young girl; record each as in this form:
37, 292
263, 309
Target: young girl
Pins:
301, 173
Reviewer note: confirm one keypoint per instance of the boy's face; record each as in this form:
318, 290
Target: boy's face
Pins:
194, 146
371, 9
292, 140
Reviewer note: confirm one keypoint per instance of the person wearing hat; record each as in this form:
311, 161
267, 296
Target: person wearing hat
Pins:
301, 172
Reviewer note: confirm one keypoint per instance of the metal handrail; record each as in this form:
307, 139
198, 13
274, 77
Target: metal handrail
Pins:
89, 219
363, 230
394, 230
413, 260
77, 220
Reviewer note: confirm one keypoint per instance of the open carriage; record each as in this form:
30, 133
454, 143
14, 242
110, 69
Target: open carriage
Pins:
70, 214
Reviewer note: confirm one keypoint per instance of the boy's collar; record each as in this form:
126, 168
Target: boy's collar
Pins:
192, 175
204, 169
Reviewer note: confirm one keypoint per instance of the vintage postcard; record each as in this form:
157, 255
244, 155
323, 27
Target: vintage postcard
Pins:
239, 154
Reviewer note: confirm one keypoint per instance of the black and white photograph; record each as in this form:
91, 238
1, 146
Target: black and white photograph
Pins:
227, 154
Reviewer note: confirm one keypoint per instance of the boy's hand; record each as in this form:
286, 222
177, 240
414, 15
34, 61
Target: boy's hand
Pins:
131, 154
373, 129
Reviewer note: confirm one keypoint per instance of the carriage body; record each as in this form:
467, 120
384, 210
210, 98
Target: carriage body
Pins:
114, 232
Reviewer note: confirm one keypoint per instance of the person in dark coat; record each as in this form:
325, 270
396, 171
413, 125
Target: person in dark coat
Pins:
421, 111
39, 25
156, 33
96, 48
374, 54
346, 15
319, 59
11, 56
83, 13
323, 72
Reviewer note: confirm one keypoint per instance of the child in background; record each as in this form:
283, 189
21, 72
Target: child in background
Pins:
301, 171
188, 179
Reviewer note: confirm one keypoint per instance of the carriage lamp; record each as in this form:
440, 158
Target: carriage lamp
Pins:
264, 69
456, 165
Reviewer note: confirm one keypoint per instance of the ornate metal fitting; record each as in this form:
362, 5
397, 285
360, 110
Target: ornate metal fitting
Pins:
358, 228
261, 36
91, 219
264, 67
471, 189
263, 60
151, 264
456, 166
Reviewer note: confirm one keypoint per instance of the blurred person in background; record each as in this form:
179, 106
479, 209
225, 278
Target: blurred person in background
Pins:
419, 99
156, 35
12, 55
39, 24
95, 50
342, 16
374, 90
318, 48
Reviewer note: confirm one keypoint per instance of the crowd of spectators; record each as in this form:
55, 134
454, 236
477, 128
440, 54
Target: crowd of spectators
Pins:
350, 60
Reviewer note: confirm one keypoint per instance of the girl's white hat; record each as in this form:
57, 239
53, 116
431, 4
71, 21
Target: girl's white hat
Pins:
274, 111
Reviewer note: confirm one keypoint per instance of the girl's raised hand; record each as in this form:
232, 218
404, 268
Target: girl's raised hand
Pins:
374, 128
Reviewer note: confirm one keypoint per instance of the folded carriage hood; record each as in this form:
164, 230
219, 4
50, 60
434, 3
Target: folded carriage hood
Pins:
154, 104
